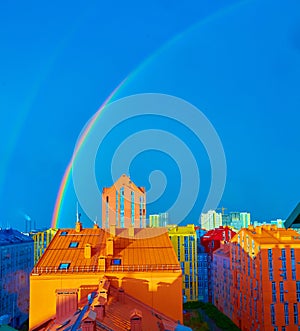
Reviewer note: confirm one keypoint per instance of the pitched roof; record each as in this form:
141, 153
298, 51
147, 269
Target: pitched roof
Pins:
124, 180
117, 315
150, 248
270, 234
293, 221
12, 237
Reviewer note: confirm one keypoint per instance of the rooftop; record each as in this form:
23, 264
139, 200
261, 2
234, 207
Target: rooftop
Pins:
12, 237
124, 180
293, 221
271, 234
116, 317
143, 249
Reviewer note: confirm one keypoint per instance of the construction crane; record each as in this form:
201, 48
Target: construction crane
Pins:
222, 209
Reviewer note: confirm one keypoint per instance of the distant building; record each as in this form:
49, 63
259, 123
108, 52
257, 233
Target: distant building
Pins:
184, 240
265, 273
16, 263
211, 241
211, 220
202, 267
158, 220
41, 241
237, 220
124, 204
133, 274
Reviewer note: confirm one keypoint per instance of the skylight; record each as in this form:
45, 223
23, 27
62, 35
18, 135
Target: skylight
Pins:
116, 262
63, 233
73, 244
64, 266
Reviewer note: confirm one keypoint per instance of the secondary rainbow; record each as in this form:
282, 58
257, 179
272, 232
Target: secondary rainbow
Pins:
67, 175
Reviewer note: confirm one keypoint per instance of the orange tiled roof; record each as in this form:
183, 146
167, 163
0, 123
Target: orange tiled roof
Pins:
117, 316
150, 248
270, 234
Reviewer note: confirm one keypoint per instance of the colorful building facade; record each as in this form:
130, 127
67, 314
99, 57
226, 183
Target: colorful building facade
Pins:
124, 204
140, 262
211, 241
265, 279
158, 220
211, 220
41, 241
16, 263
184, 240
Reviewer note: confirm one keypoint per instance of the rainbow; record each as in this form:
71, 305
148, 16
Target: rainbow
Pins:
68, 172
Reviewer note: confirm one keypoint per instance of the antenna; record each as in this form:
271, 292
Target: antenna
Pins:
77, 213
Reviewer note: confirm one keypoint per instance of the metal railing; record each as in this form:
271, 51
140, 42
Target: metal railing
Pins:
110, 268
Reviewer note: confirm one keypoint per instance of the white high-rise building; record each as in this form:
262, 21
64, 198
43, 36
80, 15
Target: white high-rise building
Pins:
211, 220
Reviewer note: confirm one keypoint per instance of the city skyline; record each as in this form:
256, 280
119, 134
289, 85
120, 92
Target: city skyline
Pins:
236, 61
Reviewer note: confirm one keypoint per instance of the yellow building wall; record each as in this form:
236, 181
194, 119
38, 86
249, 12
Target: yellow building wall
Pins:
41, 241
189, 266
160, 290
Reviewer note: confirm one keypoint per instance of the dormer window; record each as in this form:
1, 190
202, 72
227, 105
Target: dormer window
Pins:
116, 262
64, 266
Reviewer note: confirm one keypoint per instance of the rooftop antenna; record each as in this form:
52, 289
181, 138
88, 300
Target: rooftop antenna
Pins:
77, 213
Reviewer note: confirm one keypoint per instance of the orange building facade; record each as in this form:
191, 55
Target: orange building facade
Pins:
264, 279
139, 262
124, 204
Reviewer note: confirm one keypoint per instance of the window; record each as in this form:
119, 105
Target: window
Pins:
273, 291
141, 211
107, 212
117, 208
298, 290
272, 314
122, 207
64, 266
286, 313
116, 261
270, 263
281, 289
296, 313
63, 233
132, 208
73, 244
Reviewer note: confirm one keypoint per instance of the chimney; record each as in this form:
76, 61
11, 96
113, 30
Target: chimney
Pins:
88, 251
78, 226
258, 229
66, 303
112, 230
110, 246
136, 320
100, 311
101, 263
121, 295
131, 232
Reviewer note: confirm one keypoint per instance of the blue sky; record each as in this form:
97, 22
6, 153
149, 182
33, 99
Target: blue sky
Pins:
236, 61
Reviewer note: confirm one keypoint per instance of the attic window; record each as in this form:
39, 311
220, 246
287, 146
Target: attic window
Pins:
63, 233
73, 244
116, 262
64, 266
